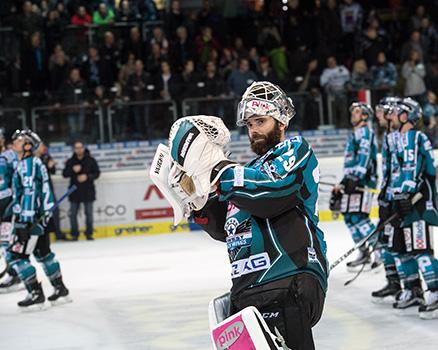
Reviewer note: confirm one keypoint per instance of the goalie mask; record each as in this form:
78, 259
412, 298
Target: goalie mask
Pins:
265, 99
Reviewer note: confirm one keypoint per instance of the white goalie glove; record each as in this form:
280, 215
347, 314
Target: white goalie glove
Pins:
197, 148
168, 178
186, 172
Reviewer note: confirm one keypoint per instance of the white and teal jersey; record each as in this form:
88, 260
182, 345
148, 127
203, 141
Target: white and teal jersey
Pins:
416, 173
32, 195
271, 217
360, 157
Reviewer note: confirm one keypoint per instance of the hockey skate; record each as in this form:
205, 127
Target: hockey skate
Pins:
408, 301
363, 258
34, 300
429, 310
387, 294
60, 295
11, 284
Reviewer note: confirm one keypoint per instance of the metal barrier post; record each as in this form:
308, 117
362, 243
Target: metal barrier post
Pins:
99, 112
320, 109
110, 122
330, 100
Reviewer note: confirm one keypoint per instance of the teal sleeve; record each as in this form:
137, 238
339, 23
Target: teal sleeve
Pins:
274, 187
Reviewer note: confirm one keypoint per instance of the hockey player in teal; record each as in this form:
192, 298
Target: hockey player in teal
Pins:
32, 201
266, 212
392, 288
8, 163
411, 235
360, 172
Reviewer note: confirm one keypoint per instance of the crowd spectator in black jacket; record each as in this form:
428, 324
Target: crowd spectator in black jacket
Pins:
139, 88
181, 49
73, 93
110, 56
135, 45
92, 68
34, 63
83, 170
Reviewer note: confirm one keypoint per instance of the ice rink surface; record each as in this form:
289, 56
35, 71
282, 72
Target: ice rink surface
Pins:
152, 293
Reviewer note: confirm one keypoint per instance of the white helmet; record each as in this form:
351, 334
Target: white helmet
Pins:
265, 98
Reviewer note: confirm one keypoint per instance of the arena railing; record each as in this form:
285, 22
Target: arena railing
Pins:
15, 118
140, 120
65, 123
309, 109
337, 104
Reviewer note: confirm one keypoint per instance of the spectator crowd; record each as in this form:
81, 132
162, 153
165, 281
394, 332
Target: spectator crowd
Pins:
78, 52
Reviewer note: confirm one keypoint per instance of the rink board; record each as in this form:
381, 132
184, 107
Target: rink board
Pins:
129, 204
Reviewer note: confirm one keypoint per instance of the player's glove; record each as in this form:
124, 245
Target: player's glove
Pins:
350, 183
335, 201
403, 204
197, 147
23, 230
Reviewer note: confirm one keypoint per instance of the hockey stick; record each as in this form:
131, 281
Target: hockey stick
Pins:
415, 199
41, 218
362, 189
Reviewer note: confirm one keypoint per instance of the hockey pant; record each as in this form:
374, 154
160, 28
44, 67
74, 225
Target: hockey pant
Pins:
293, 305
413, 253
39, 246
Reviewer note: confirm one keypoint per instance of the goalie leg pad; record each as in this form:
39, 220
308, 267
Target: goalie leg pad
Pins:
245, 330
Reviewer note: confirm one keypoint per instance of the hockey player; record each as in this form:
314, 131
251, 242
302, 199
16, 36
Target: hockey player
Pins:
411, 238
360, 172
392, 287
266, 213
8, 163
33, 200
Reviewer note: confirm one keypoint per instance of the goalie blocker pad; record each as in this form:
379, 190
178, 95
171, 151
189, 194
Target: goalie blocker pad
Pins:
159, 173
246, 330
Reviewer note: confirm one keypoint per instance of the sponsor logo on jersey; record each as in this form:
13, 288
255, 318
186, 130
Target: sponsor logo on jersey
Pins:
419, 231
230, 335
252, 264
408, 238
311, 255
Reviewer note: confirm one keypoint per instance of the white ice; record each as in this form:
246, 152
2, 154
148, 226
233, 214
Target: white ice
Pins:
152, 293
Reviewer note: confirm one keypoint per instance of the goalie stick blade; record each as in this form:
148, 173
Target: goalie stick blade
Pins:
159, 173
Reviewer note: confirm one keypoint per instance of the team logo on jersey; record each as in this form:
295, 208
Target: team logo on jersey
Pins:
252, 264
231, 226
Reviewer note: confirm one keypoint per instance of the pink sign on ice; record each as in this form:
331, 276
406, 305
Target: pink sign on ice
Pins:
233, 335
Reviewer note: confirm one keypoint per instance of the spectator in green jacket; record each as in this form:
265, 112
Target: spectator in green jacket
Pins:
103, 15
